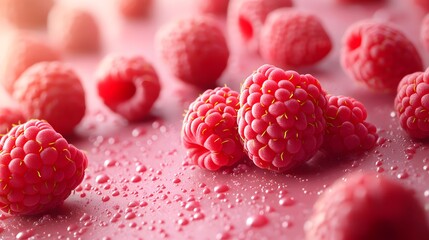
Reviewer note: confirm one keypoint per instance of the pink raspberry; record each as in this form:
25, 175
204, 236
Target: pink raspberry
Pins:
281, 117
365, 206
412, 104
38, 169
424, 31
292, 37
194, 50
8, 117
26, 13
19, 53
53, 92
347, 130
218, 7
73, 29
129, 86
134, 8
246, 17
378, 55
209, 131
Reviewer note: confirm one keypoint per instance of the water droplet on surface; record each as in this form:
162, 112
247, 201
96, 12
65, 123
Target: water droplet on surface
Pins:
177, 180
257, 221
286, 201
221, 188
25, 234
103, 178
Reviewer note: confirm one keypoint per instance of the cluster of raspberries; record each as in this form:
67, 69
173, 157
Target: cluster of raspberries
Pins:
280, 118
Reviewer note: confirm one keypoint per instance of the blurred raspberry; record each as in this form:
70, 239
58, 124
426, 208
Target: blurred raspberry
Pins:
10, 116
378, 55
53, 92
246, 18
292, 37
347, 130
424, 32
38, 169
365, 206
194, 49
218, 7
412, 104
26, 13
359, 1
19, 52
423, 4
134, 8
73, 29
209, 131
129, 86
281, 117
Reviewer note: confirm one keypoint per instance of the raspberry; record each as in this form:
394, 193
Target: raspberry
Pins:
346, 129
26, 13
367, 207
412, 104
293, 38
53, 92
8, 117
209, 131
218, 7
73, 29
281, 117
424, 31
129, 86
134, 8
38, 168
246, 17
378, 55
194, 49
19, 53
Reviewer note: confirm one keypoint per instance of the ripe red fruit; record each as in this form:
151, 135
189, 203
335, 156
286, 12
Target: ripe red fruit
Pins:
20, 52
281, 117
38, 169
134, 8
346, 128
424, 31
412, 104
209, 131
378, 55
365, 206
8, 117
26, 13
73, 29
129, 86
194, 49
293, 37
53, 92
218, 7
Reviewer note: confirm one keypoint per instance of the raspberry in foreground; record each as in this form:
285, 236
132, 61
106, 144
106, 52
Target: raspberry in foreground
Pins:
38, 169
209, 131
194, 49
293, 37
218, 7
8, 117
346, 126
424, 31
51, 91
246, 18
378, 55
280, 119
20, 52
367, 207
73, 29
129, 86
412, 104
26, 13
133, 8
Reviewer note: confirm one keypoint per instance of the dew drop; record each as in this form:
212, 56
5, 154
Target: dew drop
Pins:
256, 221
102, 178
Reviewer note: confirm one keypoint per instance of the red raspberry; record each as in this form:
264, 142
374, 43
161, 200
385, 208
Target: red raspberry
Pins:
378, 55
247, 17
73, 29
209, 131
218, 7
9, 117
134, 8
129, 86
194, 49
53, 92
412, 104
26, 13
281, 117
347, 129
367, 207
20, 52
424, 31
293, 38
38, 168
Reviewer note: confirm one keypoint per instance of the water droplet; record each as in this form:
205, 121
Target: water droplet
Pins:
402, 175
183, 221
221, 188
109, 163
130, 215
25, 234
102, 178
136, 179
256, 221
177, 180
105, 198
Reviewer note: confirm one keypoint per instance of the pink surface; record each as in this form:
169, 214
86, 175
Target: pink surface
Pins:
138, 184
